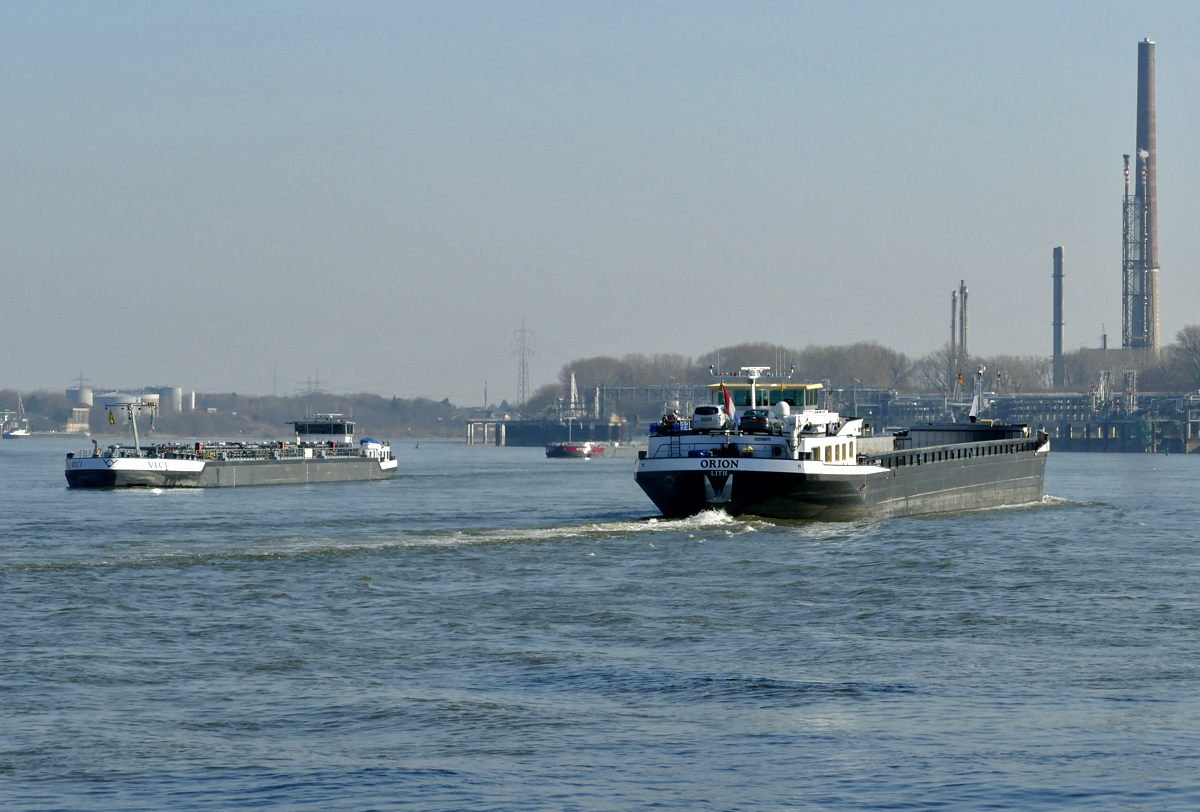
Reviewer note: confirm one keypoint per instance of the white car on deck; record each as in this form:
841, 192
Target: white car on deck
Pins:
708, 418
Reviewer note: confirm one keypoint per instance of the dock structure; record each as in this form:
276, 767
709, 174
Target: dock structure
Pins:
487, 432
537, 433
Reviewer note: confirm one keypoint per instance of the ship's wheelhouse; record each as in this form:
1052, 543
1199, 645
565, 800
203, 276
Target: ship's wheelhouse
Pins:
324, 428
800, 396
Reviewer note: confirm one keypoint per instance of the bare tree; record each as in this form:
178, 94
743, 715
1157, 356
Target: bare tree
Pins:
1186, 354
933, 371
1019, 373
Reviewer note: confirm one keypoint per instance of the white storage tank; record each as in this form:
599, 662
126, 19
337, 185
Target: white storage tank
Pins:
171, 397
79, 396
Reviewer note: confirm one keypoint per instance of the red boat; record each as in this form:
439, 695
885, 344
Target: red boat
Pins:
572, 449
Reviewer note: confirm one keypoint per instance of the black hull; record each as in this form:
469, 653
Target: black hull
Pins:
934, 487
217, 474
128, 479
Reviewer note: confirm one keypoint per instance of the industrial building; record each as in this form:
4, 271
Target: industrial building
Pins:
81, 398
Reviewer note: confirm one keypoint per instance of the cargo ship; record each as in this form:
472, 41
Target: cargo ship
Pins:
781, 456
323, 451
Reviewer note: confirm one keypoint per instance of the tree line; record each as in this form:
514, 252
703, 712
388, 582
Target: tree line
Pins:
255, 417
865, 364
869, 364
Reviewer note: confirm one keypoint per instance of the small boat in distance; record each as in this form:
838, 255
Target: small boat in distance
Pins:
574, 448
568, 414
18, 426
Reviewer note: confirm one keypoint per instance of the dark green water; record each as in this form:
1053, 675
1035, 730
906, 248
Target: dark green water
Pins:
495, 630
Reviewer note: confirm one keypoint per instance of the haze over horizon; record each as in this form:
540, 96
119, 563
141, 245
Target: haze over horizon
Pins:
230, 197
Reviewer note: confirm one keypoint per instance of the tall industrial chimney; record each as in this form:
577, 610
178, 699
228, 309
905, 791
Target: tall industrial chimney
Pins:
1147, 152
963, 348
954, 326
1058, 317
953, 360
1140, 293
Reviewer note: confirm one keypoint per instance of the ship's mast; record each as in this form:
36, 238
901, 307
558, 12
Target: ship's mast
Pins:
137, 447
752, 373
976, 402
132, 410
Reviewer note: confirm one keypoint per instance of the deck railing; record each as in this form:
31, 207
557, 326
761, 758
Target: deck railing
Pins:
232, 452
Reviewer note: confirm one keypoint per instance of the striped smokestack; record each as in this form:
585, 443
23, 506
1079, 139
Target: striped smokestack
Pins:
1147, 186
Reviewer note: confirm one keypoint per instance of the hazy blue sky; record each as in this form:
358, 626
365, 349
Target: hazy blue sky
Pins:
202, 193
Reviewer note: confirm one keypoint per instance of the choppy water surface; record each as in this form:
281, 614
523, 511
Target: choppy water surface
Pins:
495, 630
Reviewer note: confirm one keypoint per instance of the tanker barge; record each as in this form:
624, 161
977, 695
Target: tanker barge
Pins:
323, 451
783, 457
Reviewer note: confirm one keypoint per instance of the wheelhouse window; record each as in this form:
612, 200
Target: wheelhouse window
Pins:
324, 428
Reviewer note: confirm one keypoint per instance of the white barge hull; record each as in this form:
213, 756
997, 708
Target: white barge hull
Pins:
135, 472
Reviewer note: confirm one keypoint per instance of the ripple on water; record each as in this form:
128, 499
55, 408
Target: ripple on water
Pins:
493, 633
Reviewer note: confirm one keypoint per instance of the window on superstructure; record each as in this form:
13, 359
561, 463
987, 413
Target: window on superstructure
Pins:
828, 453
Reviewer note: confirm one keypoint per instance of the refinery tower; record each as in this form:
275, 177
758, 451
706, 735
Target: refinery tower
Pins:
1139, 266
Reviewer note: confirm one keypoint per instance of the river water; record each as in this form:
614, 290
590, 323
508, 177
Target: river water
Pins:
495, 630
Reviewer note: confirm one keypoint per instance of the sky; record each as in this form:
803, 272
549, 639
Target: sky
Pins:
239, 196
